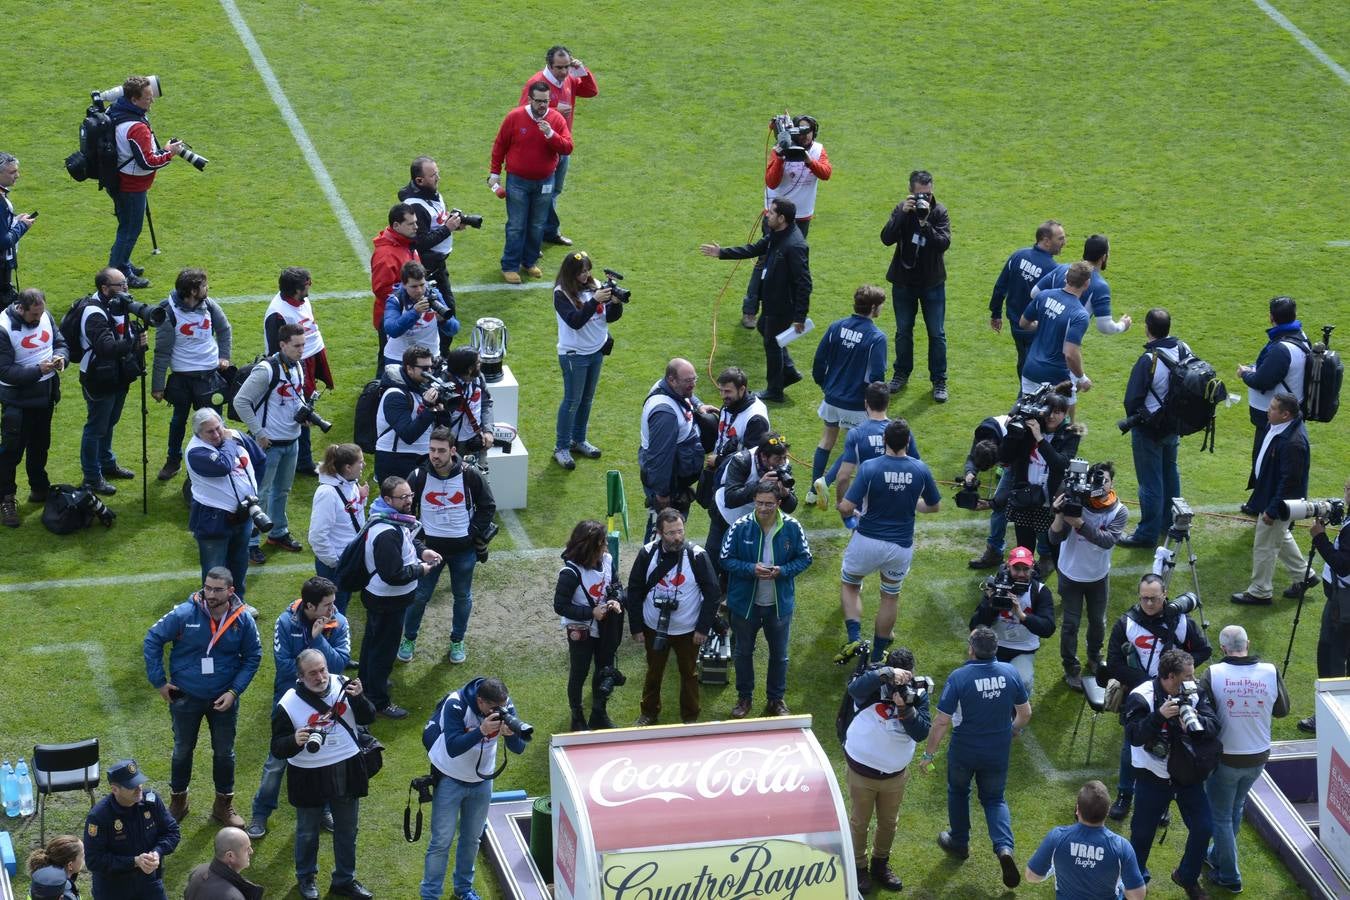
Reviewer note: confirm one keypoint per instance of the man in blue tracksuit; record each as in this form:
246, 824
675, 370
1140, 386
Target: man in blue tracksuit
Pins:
850, 355
994, 708
1097, 296
215, 654
763, 553
312, 622
1016, 279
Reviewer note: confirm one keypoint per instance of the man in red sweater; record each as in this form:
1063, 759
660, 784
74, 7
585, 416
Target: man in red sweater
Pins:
567, 78
393, 247
139, 156
529, 142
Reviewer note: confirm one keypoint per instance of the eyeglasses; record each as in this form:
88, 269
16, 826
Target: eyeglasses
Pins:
402, 497
117, 284
424, 368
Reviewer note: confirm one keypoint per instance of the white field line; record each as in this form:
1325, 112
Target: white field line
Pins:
1279, 19
92, 653
1338, 243
366, 295
517, 531
269, 78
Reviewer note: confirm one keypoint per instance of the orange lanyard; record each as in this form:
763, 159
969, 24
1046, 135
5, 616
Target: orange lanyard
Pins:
217, 632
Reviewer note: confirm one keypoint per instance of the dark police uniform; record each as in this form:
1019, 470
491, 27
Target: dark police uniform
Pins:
114, 835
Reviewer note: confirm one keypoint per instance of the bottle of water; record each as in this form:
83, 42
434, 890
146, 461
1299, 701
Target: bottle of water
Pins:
9, 786
26, 807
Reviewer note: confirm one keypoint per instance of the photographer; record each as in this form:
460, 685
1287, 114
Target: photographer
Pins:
414, 314
215, 654
743, 419
454, 505
920, 230
1138, 640
1279, 472
878, 747
1059, 321
272, 403
1088, 860
762, 554
139, 158
673, 597
223, 471
12, 228
469, 417
312, 622
1084, 563
671, 448
461, 741
314, 730
1160, 714
112, 356
588, 599
584, 310
1020, 610
1279, 366
1036, 453
291, 306
397, 560
983, 456
1333, 639
436, 227
409, 408
1016, 280
339, 510
33, 353
735, 496
194, 340
1153, 444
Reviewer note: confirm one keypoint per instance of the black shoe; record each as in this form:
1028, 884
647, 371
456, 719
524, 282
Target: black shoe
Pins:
393, 711
9, 511
1074, 679
1166, 819
1012, 876
1299, 588
897, 384
939, 392
1121, 808
308, 888
309, 471
945, 842
136, 282
100, 487
990, 559
327, 823
133, 269
600, 719
171, 467
772, 396
791, 377
353, 664
351, 888
864, 880
119, 473
38, 495
1245, 599
256, 557
1133, 542
578, 719
558, 240
1308, 725
1193, 891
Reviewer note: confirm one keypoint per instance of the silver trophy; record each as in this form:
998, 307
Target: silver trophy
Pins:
490, 340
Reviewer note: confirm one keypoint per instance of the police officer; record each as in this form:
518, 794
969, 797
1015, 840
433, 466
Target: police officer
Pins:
994, 709
126, 837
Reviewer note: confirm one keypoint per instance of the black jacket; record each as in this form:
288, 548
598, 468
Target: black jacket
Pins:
1128, 667
117, 360
785, 286
1137, 389
990, 429
217, 881
388, 555
429, 234
923, 268
1057, 448
740, 490
1144, 724
1284, 470
22, 387
1040, 621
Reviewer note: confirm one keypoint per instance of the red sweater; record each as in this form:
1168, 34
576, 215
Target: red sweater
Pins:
392, 250
573, 86
146, 155
522, 146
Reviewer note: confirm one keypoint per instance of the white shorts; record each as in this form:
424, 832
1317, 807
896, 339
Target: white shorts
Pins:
845, 418
1031, 387
865, 555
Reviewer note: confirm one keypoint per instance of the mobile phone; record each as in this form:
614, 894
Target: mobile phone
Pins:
33, 214
175, 694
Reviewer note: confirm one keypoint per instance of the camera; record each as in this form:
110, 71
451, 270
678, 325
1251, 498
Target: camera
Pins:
425, 786
439, 307
923, 204
252, 507
785, 131
112, 94
515, 723
185, 153
664, 607
481, 541
1182, 604
623, 295
471, 221
607, 679
1003, 589
784, 476
916, 691
306, 415
317, 739
1182, 515
1081, 484
1186, 700
93, 505
1029, 406
125, 305
1328, 512
446, 385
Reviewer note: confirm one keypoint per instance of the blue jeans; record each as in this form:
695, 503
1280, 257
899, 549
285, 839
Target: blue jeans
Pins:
96, 453
130, 209
1227, 790
527, 207
187, 714
343, 597
552, 227
465, 805
461, 587
1155, 468
906, 302
1151, 797
308, 821
990, 779
269, 787
998, 518
230, 551
275, 488
776, 631
581, 373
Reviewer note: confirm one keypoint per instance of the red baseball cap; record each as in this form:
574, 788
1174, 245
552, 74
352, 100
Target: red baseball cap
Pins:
1021, 556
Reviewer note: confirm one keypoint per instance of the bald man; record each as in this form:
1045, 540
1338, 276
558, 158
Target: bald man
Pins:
220, 879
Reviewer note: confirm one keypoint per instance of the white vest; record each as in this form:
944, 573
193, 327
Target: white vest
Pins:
473, 765
378, 586
589, 337
439, 216
684, 417
194, 342
1291, 383
126, 159
462, 428
425, 332
1079, 558
387, 439
799, 184
732, 427
223, 491
1244, 697
338, 744
1144, 643
1139, 757
731, 514
591, 592
678, 582
302, 315
32, 344
1012, 633
444, 505
877, 740
1157, 392
119, 324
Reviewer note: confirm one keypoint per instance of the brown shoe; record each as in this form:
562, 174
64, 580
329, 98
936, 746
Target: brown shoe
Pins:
989, 559
741, 709
533, 271
511, 277
223, 811
178, 805
777, 708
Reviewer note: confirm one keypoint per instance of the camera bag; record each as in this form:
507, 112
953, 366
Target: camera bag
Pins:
1193, 757
1323, 373
1194, 392
350, 573
233, 385
68, 509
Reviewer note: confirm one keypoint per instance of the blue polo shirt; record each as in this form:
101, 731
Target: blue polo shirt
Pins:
1062, 319
868, 441
1096, 299
980, 696
1020, 273
887, 491
1090, 862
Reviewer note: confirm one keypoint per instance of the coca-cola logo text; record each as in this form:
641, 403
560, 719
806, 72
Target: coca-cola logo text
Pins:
736, 771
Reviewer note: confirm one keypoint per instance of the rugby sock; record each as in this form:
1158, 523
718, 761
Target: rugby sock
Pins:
879, 646
833, 473
819, 462
854, 629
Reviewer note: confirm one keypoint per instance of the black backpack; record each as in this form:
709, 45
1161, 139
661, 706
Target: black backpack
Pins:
72, 331
1193, 757
1323, 373
350, 573
233, 384
70, 509
367, 404
97, 157
847, 707
1194, 392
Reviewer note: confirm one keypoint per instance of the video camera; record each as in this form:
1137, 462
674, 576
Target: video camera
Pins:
306, 415
447, 386
785, 130
1003, 589
1182, 515
1029, 406
1081, 484
1328, 512
623, 295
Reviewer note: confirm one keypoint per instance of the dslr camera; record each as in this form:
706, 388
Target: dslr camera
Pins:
471, 221
923, 204
446, 385
252, 507
665, 605
784, 477
317, 738
185, 153
1328, 512
515, 723
1182, 604
1187, 699
439, 307
623, 295
1029, 406
125, 305
306, 415
784, 131
916, 691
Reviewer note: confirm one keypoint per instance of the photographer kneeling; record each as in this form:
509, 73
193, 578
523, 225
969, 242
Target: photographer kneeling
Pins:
461, 741
589, 600
223, 467
1020, 610
735, 496
890, 718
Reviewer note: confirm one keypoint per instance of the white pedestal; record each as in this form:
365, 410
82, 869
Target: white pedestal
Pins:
509, 475
1333, 768
506, 398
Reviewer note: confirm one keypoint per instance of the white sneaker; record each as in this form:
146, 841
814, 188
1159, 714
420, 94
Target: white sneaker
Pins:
819, 493
811, 497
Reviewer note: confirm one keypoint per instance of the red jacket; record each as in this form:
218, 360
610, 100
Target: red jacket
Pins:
523, 147
573, 86
392, 250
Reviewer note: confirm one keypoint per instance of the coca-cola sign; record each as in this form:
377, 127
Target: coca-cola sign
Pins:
703, 788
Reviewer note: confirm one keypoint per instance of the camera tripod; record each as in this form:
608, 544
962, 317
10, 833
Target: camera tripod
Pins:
1166, 563
1298, 610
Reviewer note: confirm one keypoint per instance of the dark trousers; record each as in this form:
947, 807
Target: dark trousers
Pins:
750, 305
187, 713
24, 431
907, 302
1023, 344
379, 645
388, 462
777, 360
1333, 642
1151, 797
581, 653
686, 657
129, 206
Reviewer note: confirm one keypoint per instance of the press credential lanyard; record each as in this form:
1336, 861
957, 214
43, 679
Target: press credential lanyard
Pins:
217, 632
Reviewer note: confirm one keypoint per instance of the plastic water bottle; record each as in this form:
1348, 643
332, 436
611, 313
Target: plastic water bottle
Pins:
9, 786
26, 807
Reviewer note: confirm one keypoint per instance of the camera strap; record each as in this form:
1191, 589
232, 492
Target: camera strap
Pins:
662, 571
348, 506
321, 705
412, 833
